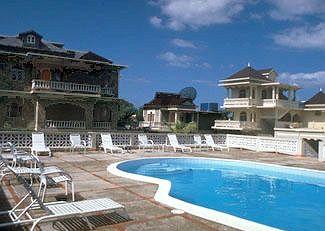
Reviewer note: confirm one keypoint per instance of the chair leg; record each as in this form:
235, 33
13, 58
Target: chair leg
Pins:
72, 191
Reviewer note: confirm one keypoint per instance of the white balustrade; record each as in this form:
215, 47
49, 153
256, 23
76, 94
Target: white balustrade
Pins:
234, 124
102, 125
70, 87
155, 125
65, 124
238, 102
109, 91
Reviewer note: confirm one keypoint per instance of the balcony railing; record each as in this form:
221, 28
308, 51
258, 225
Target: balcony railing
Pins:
71, 87
239, 102
102, 125
59, 124
246, 102
161, 126
235, 125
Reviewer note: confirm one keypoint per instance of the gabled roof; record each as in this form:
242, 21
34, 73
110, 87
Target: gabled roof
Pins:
252, 73
16, 44
167, 100
318, 98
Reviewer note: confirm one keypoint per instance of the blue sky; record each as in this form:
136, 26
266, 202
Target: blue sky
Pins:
171, 44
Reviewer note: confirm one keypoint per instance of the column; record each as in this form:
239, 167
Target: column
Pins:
89, 115
39, 115
228, 91
250, 92
176, 117
276, 93
273, 92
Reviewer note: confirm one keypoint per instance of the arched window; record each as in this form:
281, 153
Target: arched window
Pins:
242, 93
243, 116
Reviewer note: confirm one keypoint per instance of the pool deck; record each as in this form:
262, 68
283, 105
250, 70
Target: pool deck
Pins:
92, 181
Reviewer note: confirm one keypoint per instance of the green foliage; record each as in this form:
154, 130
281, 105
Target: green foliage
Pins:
125, 112
181, 127
190, 128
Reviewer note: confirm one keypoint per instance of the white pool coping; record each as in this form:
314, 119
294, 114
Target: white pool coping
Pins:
162, 196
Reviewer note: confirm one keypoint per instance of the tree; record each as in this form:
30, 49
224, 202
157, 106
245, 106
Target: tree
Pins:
125, 113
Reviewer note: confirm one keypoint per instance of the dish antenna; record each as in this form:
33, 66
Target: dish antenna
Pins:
188, 93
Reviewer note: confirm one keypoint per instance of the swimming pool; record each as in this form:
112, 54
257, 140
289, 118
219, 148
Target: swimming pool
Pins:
242, 194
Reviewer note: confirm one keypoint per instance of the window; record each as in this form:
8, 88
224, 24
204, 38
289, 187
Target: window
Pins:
30, 39
242, 93
13, 110
151, 117
243, 116
318, 113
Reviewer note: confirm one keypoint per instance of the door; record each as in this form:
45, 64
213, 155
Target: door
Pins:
46, 75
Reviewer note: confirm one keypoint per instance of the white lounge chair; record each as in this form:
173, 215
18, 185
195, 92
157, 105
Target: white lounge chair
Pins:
175, 145
210, 143
198, 142
38, 144
22, 214
53, 173
77, 143
144, 142
107, 144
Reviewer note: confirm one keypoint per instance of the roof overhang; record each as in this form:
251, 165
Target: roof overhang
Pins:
33, 54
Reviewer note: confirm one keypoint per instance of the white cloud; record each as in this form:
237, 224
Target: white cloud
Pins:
183, 43
194, 14
294, 9
183, 61
204, 82
176, 60
302, 37
156, 21
312, 79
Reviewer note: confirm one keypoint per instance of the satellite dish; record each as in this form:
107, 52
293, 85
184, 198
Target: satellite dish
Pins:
188, 93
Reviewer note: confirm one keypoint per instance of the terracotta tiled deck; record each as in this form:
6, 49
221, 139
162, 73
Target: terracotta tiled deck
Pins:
92, 181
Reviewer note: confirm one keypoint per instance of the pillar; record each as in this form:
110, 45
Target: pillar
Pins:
39, 116
250, 92
89, 116
273, 93
276, 93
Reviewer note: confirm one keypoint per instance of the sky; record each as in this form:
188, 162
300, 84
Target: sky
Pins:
171, 44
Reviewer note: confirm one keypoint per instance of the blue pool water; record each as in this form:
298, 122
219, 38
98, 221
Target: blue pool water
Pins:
289, 199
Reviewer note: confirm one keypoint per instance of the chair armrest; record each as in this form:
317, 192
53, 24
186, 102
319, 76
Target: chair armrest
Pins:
151, 142
204, 142
83, 142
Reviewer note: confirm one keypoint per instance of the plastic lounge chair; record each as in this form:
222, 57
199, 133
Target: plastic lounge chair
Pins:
144, 142
38, 144
46, 212
107, 144
77, 143
198, 142
175, 145
53, 173
210, 143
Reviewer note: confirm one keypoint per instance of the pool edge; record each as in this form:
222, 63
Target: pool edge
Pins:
162, 196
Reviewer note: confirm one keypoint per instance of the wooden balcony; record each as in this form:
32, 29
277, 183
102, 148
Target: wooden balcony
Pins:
235, 125
42, 85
